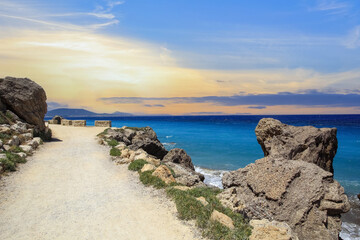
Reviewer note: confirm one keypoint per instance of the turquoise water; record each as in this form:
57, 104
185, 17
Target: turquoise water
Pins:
229, 142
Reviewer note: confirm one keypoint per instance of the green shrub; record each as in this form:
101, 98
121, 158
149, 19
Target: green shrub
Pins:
115, 152
113, 143
15, 158
137, 165
103, 133
8, 165
16, 149
4, 136
149, 180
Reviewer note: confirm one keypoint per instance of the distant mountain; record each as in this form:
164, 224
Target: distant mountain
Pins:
73, 112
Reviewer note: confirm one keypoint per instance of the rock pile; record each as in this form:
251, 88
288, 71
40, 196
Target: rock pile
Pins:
22, 110
290, 184
142, 143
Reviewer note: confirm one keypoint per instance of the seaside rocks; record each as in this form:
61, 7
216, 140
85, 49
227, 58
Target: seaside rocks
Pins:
164, 174
25, 98
186, 176
264, 229
179, 156
307, 143
222, 218
296, 192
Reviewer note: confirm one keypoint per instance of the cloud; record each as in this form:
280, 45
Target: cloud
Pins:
55, 105
353, 40
332, 7
257, 107
155, 105
307, 98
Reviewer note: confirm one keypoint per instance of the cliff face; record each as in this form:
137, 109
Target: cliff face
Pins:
293, 183
25, 98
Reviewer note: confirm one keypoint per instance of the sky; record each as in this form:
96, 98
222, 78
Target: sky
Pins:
187, 57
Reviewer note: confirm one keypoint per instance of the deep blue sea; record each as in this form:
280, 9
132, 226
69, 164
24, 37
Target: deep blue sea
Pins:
229, 142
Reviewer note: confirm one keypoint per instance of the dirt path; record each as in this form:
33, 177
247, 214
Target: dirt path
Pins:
70, 189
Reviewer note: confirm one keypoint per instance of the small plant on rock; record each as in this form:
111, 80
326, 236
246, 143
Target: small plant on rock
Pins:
149, 180
113, 143
137, 165
115, 152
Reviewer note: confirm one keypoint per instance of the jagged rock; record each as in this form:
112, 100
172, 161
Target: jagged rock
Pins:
1, 143
203, 201
296, 192
186, 176
148, 167
309, 144
12, 115
164, 174
5, 129
26, 148
264, 229
19, 127
222, 218
14, 141
21, 154
179, 156
6, 147
25, 98
26, 136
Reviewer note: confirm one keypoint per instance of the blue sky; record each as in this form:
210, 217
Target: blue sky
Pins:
228, 48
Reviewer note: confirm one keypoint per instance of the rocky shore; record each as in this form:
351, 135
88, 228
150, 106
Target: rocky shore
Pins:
22, 128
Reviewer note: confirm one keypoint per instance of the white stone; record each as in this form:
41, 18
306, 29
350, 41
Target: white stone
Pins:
148, 167
26, 148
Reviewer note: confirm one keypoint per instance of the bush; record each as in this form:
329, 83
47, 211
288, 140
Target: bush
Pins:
115, 152
15, 158
137, 165
149, 180
8, 165
16, 149
113, 143
4, 136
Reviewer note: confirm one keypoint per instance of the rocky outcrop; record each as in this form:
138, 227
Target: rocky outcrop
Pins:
186, 176
309, 144
25, 98
300, 193
222, 218
179, 156
164, 173
265, 229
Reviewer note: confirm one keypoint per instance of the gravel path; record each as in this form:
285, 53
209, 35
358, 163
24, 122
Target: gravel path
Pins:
70, 189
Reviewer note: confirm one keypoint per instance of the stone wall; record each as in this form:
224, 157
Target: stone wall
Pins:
102, 123
66, 122
79, 123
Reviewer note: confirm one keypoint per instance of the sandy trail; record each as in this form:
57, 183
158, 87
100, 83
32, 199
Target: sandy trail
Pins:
70, 189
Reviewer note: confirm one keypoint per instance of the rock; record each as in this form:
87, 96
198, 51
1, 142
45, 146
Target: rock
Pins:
203, 201
37, 140
164, 174
148, 167
6, 147
102, 123
299, 193
5, 130
21, 154
121, 146
1, 143
12, 116
125, 153
141, 156
179, 156
182, 188
222, 218
309, 144
186, 176
19, 127
264, 229
25, 98
358, 196
26, 136
57, 119
34, 143
122, 160
26, 148
14, 141
153, 161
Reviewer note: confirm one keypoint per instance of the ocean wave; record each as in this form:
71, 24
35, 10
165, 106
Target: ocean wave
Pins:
350, 228
169, 136
350, 231
169, 145
212, 177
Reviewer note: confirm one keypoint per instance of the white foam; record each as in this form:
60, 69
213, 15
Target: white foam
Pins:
350, 231
212, 177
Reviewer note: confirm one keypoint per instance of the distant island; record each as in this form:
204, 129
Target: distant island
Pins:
78, 112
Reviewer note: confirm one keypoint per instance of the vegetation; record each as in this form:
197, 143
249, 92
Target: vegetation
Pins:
15, 158
10, 161
190, 208
4, 136
149, 180
115, 152
136, 128
4, 119
137, 165
16, 149
113, 143
103, 133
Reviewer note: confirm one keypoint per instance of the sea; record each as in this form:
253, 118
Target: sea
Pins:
218, 144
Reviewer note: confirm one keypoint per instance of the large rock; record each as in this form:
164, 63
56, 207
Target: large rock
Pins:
296, 192
186, 176
164, 174
179, 156
25, 98
265, 229
309, 144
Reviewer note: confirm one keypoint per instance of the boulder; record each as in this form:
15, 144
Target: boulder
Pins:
222, 218
164, 174
21, 154
179, 156
265, 229
12, 116
26, 136
203, 201
25, 98
19, 127
26, 148
5, 129
299, 193
148, 167
185, 176
309, 144
14, 141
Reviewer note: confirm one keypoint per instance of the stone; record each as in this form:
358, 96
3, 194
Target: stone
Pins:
148, 167
102, 123
37, 140
21, 154
1, 143
153, 161
299, 193
179, 156
79, 123
14, 141
164, 174
121, 146
122, 160
6, 147
265, 229
125, 153
203, 201
66, 122
186, 176
309, 144
358, 196
57, 119
26, 148
19, 127
222, 218
5, 130
26, 136
141, 156
12, 116
25, 98
182, 188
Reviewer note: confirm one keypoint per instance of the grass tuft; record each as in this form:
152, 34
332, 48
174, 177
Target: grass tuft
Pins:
112, 143
16, 149
103, 133
149, 180
15, 158
115, 152
137, 165
4, 136
8, 165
